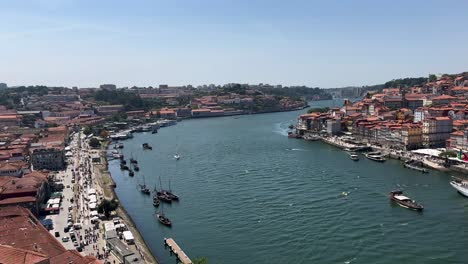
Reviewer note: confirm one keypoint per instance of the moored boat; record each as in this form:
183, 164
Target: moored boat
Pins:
146, 146
144, 189
460, 185
354, 156
378, 158
131, 173
293, 135
406, 202
412, 165
163, 219
156, 202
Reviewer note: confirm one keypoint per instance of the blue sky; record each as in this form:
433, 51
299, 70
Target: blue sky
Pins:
317, 43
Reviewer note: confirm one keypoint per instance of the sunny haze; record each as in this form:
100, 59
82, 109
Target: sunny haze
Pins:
314, 43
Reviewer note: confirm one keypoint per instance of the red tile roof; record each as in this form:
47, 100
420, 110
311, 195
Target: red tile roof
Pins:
11, 255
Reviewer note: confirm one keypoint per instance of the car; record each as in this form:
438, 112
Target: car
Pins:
68, 186
75, 244
66, 229
65, 239
79, 249
57, 234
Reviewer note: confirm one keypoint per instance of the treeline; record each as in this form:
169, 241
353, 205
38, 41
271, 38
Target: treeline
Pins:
129, 100
409, 82
298, 92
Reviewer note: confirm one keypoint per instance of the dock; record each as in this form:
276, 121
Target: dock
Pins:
177, 251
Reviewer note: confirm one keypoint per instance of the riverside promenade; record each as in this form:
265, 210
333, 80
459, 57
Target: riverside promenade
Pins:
107, 186
402, 155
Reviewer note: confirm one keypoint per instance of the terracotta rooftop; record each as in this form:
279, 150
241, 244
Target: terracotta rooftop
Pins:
11, 255
21, 234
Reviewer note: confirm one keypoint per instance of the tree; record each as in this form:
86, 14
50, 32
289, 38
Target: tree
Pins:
94, 143
107, 206
448, 153
104, 133
318, 109
87, 130
432, 78
202, 260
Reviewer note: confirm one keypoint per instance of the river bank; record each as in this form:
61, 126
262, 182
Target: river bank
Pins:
108, 186
428, 162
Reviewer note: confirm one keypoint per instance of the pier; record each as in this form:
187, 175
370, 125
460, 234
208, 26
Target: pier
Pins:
177, 251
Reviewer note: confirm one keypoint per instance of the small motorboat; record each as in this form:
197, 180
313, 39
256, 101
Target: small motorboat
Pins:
147, 146
403, 201
156, 202
133, 161
131, 173
163, 219
460, 185
291, 126
123, 167
354, 156
123, 162
136, 168
176, 156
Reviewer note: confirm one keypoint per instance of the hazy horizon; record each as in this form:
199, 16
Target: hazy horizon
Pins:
327, 44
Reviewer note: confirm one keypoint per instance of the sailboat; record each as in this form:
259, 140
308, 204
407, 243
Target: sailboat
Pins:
163, 218
162, 194
156, 200
143, 187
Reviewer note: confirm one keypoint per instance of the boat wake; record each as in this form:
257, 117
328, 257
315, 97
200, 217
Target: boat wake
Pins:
281, 128
295, 149
349, 261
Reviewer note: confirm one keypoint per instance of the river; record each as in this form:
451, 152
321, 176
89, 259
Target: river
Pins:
249, 194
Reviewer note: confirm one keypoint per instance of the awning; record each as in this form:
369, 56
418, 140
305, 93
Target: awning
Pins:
128, 235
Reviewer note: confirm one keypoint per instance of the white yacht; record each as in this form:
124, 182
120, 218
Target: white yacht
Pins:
460, 185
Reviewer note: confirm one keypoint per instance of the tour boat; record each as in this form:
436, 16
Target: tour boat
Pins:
377, 158
120, 145
406, 202
411, 165
460, 185
354, 156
